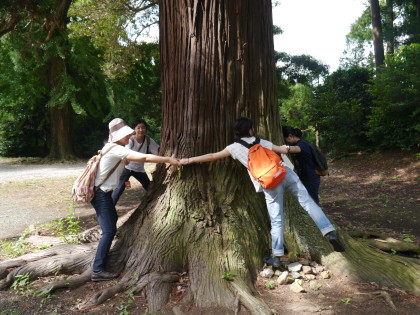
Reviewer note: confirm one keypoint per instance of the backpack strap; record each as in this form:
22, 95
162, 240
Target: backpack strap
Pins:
246, 144
109, 149
113, 169
147, 144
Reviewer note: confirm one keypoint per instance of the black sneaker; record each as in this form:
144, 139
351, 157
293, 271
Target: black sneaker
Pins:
335, 242
103, 276
272, 261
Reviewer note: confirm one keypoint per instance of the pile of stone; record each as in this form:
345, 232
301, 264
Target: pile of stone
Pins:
297, 273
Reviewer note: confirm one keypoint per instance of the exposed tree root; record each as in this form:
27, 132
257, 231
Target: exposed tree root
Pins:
254, 305
63, 259
104, 295
392, 244
383, 242
70, 283
385, 295
152, 281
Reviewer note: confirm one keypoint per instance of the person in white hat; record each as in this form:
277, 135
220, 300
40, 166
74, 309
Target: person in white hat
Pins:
109, 170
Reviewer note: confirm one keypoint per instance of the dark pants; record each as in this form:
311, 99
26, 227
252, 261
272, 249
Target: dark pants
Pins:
312, 186
125, 176
107, 218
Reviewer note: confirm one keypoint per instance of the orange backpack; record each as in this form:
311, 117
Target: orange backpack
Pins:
264, 165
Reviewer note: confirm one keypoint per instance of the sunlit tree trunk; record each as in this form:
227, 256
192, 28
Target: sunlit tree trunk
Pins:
390, 27
378, 45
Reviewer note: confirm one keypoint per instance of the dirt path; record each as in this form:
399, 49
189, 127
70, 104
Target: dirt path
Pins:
35, 194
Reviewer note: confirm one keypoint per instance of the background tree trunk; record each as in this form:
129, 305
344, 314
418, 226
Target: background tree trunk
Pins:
390, 27
378, 45
60, 115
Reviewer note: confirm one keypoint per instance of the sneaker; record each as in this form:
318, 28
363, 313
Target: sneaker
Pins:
272, 261
103, 276
335, 242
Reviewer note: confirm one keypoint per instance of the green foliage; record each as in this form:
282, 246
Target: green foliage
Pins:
300, 69
138, 94
228, 276
342, 104
395, 117
270, 284
15, 248
22, 285
26, 93
346, 301
296, 109
68, 229
114, 26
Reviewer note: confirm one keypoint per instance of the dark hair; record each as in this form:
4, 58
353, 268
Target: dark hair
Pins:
241, 128
287, 130
138, 122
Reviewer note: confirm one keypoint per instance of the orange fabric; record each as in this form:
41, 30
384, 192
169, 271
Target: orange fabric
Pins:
265, 166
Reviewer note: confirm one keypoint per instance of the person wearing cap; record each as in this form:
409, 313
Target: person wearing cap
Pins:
139, 142
110, 167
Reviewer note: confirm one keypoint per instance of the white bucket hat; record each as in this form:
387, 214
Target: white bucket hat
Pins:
118, 129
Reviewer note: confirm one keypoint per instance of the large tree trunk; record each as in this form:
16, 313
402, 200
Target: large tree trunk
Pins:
378, 45
206, 220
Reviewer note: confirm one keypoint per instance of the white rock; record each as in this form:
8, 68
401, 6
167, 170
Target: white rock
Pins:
267, 273
294, 266
325, 274
309, 277
282, 279
306, 270
296, 287
295, 275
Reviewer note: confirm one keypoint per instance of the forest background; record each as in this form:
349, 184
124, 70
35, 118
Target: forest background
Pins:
62, 79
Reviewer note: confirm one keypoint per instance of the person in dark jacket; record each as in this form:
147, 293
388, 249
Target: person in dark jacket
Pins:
304, 160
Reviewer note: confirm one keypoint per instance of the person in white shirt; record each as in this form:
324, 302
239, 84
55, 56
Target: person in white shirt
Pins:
114, 161
243, 130
142, 143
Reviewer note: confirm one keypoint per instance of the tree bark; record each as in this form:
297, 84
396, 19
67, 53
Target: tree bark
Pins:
390, 27
378, 45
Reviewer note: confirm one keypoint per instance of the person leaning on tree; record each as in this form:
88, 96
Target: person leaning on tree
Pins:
142, 143
119, 136
243, 130
305, 163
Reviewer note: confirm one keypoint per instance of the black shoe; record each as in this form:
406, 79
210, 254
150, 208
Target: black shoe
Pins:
103, 276
335, 242
272, 261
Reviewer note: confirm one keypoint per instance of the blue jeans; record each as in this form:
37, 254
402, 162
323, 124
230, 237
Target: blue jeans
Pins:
107, 218
125, 176
274, 200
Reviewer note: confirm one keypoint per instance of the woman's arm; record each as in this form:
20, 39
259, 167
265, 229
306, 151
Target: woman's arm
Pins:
206, 157
284, 149
151, 158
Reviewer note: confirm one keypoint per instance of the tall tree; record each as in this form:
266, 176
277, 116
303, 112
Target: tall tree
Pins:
206, 220
51, 20
378, 45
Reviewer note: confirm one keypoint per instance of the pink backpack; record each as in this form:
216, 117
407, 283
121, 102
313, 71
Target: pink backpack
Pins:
84, 187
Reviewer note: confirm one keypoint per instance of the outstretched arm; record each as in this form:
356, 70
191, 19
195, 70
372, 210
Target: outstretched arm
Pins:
284, 149
151, 158
206, 157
